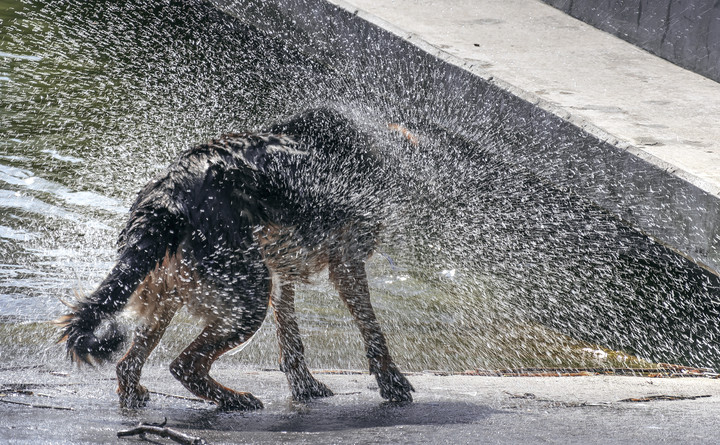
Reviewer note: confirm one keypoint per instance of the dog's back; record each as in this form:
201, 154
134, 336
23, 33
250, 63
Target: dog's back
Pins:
278, 194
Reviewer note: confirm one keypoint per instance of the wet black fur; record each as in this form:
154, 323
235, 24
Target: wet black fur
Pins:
216, 194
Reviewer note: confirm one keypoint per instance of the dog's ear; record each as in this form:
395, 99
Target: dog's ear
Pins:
327, 130
405, 132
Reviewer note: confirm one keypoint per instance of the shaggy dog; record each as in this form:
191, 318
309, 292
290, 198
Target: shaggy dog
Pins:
231, 227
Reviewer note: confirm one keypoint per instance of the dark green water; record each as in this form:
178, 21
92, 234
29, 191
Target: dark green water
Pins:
495, 268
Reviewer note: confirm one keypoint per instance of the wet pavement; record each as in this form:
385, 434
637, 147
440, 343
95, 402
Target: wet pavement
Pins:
40, 405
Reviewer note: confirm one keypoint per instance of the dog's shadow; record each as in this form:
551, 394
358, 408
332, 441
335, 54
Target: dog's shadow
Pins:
325, 417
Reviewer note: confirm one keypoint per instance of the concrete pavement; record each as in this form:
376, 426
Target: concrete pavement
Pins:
40, 405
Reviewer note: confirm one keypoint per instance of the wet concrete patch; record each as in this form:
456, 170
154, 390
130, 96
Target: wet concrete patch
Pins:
331, 417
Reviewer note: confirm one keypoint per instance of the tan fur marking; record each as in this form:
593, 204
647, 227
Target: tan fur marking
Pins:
286, 257
405, 132
172, 278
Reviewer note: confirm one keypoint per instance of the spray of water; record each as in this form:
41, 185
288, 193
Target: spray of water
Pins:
484, 263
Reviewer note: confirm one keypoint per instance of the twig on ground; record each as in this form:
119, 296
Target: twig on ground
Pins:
22, 392
19, 368
526, 395
32, 405
663, 397
160, 430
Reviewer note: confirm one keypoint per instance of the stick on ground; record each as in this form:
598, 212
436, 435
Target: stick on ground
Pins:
160, 430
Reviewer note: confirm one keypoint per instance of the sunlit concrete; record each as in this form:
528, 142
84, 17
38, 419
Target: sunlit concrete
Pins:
611, 88
683, 32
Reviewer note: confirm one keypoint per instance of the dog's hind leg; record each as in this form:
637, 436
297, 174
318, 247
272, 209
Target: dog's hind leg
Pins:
292, 353
147, 336
350, 279
192, 367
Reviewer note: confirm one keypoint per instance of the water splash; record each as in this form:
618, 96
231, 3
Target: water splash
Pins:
492, 265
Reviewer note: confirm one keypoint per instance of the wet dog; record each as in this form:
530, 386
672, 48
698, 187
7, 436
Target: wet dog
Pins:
231, 227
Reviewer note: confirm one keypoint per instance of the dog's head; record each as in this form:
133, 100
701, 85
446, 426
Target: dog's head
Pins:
325, 130
330, 132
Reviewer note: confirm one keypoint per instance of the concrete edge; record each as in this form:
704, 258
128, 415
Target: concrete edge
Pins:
668, 204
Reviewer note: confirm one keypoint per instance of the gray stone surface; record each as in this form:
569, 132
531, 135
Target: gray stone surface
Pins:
684, 32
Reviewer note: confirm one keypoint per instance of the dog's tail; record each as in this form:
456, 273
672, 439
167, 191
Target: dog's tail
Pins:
148, 236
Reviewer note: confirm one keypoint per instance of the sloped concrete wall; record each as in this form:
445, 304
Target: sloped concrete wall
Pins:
685, 32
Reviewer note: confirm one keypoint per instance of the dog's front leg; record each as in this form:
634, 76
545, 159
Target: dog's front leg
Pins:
350, 279
292, 353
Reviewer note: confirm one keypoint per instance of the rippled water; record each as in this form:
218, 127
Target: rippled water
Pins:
496, 268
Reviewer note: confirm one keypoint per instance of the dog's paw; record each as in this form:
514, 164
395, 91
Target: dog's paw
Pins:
394, 386
309, 388
136, 398
239, 401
